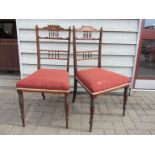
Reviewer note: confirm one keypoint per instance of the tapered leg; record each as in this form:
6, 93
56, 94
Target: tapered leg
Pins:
21, 105
43, 95
75, 90
92, 109
66, 111
125, 99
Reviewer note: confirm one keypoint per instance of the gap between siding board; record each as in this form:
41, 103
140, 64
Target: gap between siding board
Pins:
79, 65
114, 43
94, 54
124, 31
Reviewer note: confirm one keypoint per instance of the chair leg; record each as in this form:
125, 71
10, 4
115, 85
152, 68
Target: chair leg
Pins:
75, 90
43, 95
21, 105
66, 111
92, 109
125, 99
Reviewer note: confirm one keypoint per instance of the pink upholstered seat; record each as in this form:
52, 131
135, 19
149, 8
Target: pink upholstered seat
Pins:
49, 79
98, 80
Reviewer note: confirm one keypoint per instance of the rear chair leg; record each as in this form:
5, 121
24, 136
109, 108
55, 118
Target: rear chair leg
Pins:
21, 105
125, 99
75, 90
92, 109
43, 95
66, 111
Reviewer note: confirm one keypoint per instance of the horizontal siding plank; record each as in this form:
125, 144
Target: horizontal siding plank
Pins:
127, 71
107, 24
30, 47
108, 37
106, 61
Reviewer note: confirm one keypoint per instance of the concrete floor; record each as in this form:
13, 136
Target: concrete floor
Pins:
47, 116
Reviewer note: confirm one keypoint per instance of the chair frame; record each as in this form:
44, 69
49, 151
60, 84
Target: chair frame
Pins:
53, 35
89, 29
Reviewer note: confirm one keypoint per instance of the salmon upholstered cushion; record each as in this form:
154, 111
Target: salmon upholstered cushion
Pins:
97, 79
50, 79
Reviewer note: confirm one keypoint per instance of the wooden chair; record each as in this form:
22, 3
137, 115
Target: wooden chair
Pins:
95, 81
45, 80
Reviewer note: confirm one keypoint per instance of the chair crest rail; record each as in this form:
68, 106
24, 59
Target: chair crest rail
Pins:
53, 28
87, 33
53, 32
87, 29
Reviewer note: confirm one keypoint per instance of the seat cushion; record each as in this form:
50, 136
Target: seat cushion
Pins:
50, 79
97, 79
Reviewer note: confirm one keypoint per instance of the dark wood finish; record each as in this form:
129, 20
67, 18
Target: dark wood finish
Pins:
75, 90
9, 60
100, 50
125, 99
43, 95
38, 47
75, 54
53, 33
92, 109
21, 105
68, 56
66, 110
88, 55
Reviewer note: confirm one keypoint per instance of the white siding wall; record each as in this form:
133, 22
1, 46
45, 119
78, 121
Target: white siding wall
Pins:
119, 44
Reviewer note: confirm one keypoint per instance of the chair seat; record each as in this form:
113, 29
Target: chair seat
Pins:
98, 80
49, 79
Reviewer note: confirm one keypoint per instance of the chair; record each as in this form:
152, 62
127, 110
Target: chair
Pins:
97, 80
45, 80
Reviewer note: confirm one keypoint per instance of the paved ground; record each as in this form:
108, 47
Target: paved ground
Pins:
47, 116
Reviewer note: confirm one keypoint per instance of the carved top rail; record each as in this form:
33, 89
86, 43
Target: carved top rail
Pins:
87, 29
53, 32
53, 28
87, 33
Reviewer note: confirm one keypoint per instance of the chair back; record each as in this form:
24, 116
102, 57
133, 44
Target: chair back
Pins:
52, 34
86, 34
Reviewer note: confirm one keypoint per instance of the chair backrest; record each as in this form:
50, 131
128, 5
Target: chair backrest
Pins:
86, 34
53, 33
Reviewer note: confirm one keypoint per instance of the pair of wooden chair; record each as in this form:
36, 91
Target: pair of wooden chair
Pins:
95, 81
